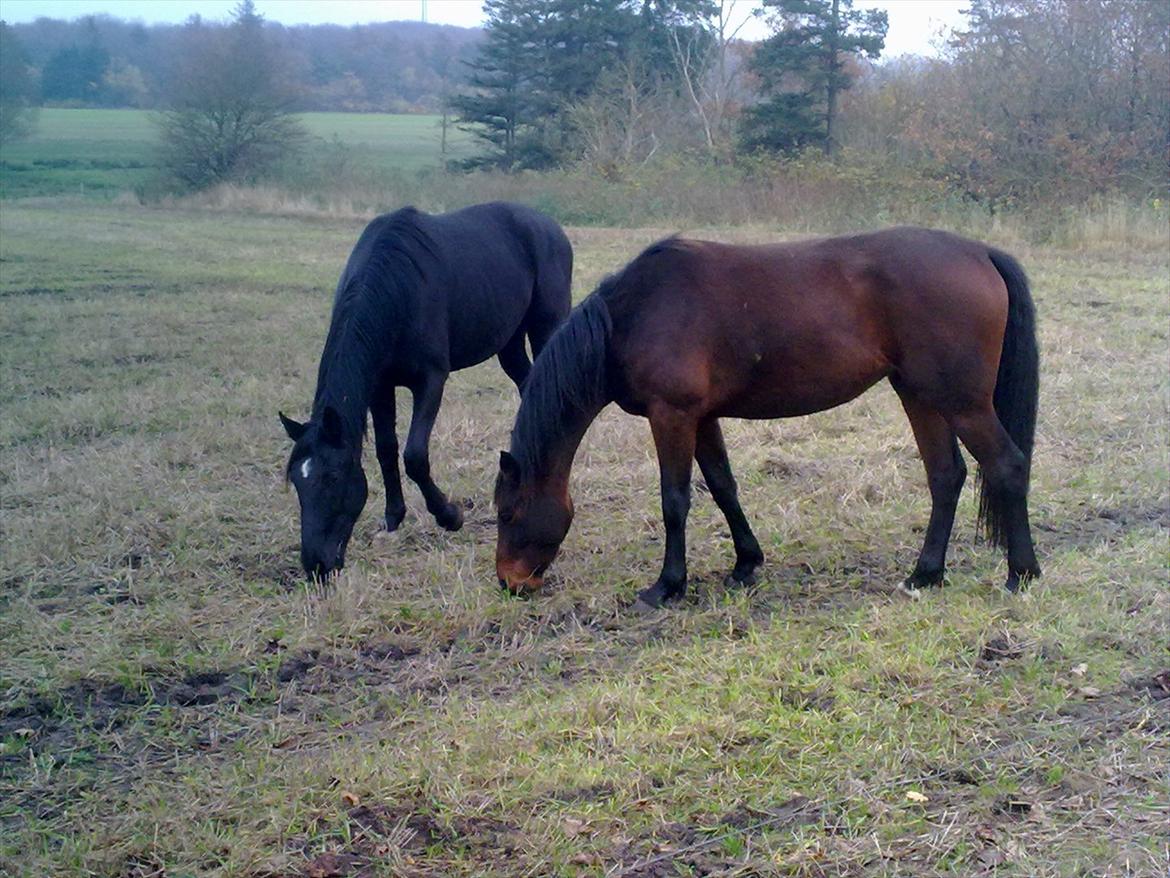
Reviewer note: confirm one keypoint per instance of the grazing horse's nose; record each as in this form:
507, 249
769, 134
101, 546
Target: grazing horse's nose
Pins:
503, 583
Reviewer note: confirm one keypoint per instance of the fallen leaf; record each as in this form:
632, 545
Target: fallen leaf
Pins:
573, 827
1089, 692
351, 799
1079, 670
915, 796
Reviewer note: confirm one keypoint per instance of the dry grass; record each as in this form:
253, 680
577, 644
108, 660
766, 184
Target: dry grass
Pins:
822, 199
173, 701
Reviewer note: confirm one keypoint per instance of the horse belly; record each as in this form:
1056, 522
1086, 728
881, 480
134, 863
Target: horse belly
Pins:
790, 388
480, 322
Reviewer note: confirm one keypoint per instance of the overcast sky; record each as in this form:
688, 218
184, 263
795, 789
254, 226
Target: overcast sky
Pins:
914, 24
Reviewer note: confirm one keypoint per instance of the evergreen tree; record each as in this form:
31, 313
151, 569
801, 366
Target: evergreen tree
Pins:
16, 87
509, 84
802, 70
76, 73
541, 57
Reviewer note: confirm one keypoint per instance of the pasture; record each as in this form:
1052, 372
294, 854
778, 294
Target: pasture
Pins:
174, 700
100, 153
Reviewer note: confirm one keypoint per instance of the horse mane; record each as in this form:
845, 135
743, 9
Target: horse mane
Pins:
568, 383
393, 254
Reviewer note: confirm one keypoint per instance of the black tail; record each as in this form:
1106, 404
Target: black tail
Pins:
1017, 385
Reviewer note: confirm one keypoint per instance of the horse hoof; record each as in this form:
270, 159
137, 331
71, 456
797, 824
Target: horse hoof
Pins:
451, 518
391, 523
1017, 581
732, 581
916, 580
907, 588
642, 608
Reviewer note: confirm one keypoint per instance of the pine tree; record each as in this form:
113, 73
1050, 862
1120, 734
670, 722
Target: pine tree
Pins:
16, 87
541, 57
507, 96
802, 70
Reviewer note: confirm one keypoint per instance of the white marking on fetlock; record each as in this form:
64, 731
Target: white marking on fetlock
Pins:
915, 594
305, 467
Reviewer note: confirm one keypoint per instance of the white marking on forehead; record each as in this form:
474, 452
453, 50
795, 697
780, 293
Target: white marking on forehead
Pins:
305, 467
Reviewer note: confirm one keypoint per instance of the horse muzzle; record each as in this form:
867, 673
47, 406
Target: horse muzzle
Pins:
519, 584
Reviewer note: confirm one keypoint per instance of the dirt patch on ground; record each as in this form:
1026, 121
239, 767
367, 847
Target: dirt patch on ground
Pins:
398, 838
1105, 524
714, 848
999, 648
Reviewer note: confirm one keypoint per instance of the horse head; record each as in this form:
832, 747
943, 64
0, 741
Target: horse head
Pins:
326, 470
533, 516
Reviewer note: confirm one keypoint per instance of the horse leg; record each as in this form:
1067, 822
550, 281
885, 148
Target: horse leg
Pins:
382, 409
428, 395
514, 359
551, 303
945, 474
1004, 467
540, 328
711, 453
674, 437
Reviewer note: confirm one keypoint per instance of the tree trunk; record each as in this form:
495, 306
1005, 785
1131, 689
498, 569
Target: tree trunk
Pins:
833, 63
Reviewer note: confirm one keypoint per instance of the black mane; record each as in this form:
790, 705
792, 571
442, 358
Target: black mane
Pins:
394, 253
568, 382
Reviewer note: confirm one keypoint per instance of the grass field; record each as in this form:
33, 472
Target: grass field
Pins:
100, 153
175, 701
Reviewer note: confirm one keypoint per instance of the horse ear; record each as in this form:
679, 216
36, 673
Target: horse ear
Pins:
509, 467
295, 431
331, 429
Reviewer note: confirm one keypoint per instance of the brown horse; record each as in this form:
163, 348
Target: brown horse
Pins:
693, 331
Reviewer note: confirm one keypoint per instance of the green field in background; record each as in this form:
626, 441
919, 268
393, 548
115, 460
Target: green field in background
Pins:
103, 152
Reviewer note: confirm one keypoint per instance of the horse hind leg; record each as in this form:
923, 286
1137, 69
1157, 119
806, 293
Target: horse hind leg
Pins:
1005, 472
514, 359
945, 474
711, 454
551, 302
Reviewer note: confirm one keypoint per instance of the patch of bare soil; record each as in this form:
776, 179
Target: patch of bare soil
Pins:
700, 849
400, 837
1106, 524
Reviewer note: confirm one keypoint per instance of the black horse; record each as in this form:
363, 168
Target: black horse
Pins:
420, 296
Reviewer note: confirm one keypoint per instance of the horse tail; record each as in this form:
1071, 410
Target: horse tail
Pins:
1017, 386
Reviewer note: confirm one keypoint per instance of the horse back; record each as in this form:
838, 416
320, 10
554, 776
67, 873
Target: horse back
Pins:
459, 284
782, 330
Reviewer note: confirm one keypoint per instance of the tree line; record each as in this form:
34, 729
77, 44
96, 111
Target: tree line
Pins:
101, 61
1030, 98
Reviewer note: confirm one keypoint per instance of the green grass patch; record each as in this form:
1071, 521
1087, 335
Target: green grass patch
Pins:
101, 153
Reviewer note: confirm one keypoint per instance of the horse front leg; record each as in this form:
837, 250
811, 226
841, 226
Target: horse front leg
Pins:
428, 396
674, 438
382, 411
711, 453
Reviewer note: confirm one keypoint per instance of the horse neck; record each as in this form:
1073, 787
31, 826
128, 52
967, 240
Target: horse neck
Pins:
552, 462
349, 369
